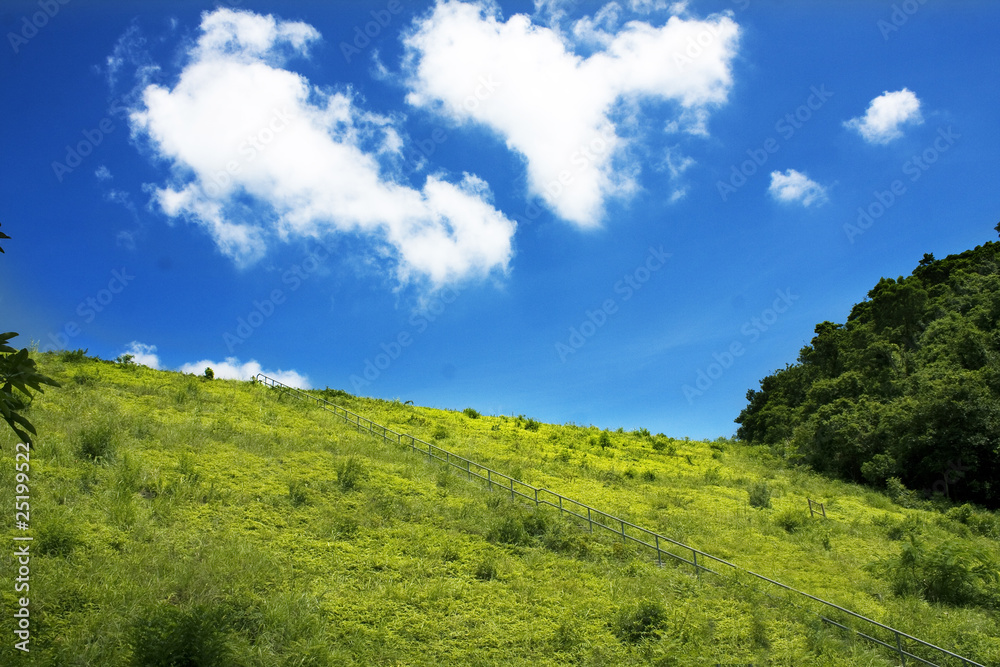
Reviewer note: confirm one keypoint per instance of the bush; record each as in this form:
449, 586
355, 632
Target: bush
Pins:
440, 433
759, 495
209, 373
350, 474
486, 570
604, 440
950, 572
531, 425
509, 529
643, 622
57, 537
171, 636
98, 442
789, 519
298, 493
471, 413
73, 357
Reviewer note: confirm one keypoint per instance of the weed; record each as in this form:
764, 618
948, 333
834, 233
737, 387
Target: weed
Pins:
789, 519
759, 495
98, 441
350, 474
644, 621
298, 492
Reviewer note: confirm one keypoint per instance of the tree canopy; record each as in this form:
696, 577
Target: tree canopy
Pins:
907, 390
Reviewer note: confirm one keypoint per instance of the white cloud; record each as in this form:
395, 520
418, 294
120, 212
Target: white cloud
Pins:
103, 173
232, 369
794, 186
258, 153
556, 108
885, 114
143, 354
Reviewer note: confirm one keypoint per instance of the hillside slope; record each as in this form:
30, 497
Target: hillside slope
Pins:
184, 521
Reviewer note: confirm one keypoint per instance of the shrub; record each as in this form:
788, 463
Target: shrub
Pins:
759, 495
298, 492
950, 572
73, 357
509, 529
350, 474
531, 425
125, 360
789, 519
643, 622
209, 373
662, 443
486, 570
440, 433
97, 442
170, 636
471, 413
604, 440
57, 537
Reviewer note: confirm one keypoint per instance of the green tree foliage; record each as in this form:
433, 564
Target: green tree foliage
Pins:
18, 375
907, 389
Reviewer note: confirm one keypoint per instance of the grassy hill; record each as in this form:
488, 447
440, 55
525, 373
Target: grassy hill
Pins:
183, 521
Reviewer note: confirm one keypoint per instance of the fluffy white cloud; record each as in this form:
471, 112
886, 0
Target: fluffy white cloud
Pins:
143, 354
563, 112
885, 114
794, 186
258, 153
232, 369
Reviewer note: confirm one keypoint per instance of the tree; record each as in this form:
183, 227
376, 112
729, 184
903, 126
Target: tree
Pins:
18, 375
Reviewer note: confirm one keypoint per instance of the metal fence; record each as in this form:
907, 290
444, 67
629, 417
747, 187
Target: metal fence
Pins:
896, 641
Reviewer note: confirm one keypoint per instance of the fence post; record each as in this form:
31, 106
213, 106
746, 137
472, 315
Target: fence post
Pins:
489, 478
694, 558
536, 497
899, 647
512, 488
590, 522
623, 530
659, 557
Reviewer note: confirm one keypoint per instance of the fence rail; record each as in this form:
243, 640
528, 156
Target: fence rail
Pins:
661, 544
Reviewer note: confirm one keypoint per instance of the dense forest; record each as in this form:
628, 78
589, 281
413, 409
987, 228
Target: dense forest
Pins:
906, 394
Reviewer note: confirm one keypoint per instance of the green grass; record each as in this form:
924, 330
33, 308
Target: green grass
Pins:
184, 521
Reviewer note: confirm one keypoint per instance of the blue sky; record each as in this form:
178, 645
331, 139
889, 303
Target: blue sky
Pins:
620, 214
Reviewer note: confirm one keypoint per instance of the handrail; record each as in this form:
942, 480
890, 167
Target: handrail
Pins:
620, 530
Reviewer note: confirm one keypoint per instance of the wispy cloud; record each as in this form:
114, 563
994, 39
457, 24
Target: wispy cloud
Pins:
229, 369
143, 354
563, 112
259, 154
885, 115
232, 369
794, 186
